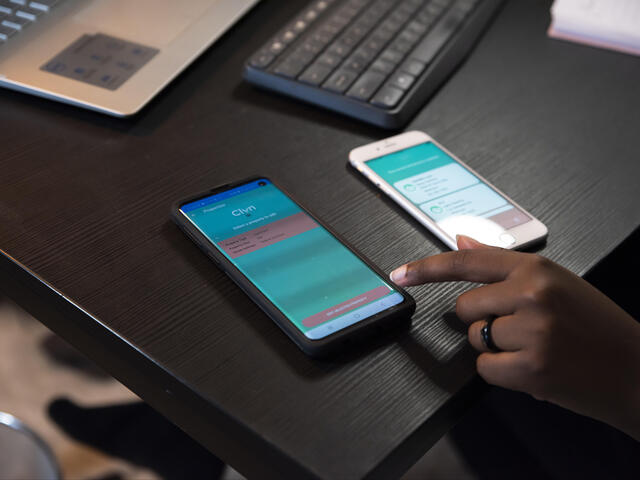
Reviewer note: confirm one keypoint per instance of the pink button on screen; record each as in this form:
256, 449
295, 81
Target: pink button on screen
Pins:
346, 306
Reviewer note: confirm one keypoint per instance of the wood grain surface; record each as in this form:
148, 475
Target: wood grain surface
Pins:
84, 206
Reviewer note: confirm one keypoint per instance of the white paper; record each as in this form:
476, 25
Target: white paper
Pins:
604, 23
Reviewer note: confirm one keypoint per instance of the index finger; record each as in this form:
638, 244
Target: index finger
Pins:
478, 265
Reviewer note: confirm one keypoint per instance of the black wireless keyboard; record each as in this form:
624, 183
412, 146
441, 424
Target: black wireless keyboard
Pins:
375, 60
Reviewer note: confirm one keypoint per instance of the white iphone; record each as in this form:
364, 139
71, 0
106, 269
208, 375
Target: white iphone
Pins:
443, 193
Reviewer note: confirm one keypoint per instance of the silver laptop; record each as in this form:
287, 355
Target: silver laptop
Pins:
112, 56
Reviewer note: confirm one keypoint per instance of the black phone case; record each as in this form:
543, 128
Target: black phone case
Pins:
385, 320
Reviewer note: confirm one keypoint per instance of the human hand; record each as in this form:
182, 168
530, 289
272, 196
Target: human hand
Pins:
560, 339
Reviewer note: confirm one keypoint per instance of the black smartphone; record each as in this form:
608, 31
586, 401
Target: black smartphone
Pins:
319, 290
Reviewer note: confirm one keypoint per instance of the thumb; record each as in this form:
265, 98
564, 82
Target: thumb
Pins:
468, 243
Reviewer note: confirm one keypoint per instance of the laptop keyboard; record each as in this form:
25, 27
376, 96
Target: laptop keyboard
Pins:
361, 57
17, 15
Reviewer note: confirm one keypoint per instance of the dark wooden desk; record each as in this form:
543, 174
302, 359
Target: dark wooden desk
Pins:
89, 249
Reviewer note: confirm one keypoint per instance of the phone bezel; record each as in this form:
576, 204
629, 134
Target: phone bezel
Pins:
525, 234
395, 316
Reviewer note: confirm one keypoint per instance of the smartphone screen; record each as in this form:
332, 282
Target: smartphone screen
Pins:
306, 272
449, 194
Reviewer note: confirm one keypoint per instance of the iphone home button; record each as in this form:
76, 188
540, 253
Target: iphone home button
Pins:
507, 239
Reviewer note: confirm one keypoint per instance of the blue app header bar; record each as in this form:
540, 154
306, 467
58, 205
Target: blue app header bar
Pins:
247, 187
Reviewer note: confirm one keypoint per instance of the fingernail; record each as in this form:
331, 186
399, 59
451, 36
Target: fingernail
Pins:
399, 274
466, 240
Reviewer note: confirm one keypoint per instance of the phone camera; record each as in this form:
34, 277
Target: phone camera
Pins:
262, 184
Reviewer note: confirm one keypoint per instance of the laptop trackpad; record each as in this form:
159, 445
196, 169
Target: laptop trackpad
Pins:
100, 60
150, 22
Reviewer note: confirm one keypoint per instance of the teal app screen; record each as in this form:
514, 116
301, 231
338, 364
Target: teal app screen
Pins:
454, 198
319, 284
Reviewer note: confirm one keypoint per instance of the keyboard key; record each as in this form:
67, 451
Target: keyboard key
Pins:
300, 26
466, 5
290, 68
383, 66
6, 32
15, 22
417, 28
311, 46
355, 63
391, 26
262, 59
383, 34
363, 25
400, 16
431, 44
402, 80
276, 47
7, 7
368, 19
401, 46
392, 56
387, 97
321, 37
414, 67
387, 4
374, 44
366, 85
329, 60
357, 31
349, 39
339, 49
348, 13
317, 40
311, 15
358, 3
315, 74
409, 37
366, 53
19, 2
340, 81
426, 18
29, 13
336, 24
288, 36
408, 8
44, 5
302, 55
435, 9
